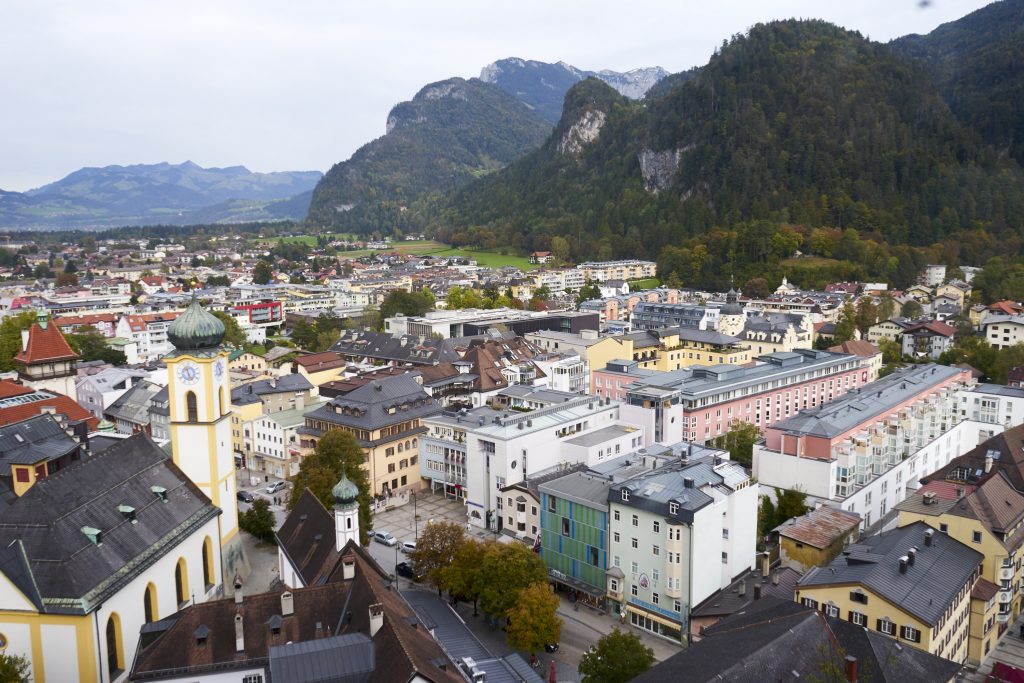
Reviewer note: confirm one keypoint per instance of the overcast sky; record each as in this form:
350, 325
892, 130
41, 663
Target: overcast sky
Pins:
300, 85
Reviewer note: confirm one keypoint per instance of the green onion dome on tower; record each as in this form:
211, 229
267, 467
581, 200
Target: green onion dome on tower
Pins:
345, 492
196, 328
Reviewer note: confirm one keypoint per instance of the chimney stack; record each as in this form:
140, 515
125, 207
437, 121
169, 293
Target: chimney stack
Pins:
850, 665
743, 588
287, 604
904, 562
239, 635
238, 592
911, 556
928, 537
766, 563
757, 591
376, 618
988, 463
775, 579
348, 568
24, 340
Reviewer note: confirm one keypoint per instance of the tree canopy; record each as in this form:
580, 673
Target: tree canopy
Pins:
618, 657
336, 452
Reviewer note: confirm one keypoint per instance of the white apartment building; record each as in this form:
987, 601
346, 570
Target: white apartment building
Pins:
677, 535
149, 332
867, 450
569, 374
993, 404
1003, 331
473, 454
631, 269
275, 441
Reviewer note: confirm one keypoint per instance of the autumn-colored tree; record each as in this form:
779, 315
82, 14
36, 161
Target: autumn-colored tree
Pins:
507, 568
336, 452
10, 337
464, 577
15, 669
436, 549
233, 333
739, 441
533, 619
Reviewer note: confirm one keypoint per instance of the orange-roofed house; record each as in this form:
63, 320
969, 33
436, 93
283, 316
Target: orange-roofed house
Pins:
149, 332
46, 360
20, 402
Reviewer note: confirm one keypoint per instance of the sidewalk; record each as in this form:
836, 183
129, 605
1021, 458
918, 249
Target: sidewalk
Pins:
602, 624
1009, 651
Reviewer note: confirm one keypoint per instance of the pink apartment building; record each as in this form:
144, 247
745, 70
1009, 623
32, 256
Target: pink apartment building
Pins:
701, 402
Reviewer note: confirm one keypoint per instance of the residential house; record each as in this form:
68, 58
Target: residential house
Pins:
131, 412
993, 403
97, 392
1003, 331
928, 339
275, 441
888, 330
910, 584
871, 354
814, 539
46, 360
149, 332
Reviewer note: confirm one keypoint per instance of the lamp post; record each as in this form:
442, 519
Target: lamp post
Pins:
415, 518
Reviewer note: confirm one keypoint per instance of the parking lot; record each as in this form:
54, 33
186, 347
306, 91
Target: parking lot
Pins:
406, 522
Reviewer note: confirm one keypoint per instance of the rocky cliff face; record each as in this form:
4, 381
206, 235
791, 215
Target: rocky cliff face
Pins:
659, 168
580, 134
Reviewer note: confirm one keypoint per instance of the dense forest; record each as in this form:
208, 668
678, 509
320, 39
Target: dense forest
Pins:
797, 137
450, 133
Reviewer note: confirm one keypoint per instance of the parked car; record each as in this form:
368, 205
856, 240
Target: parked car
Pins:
551, 647
276, 486
245, 497
385, 538
405, 569
408, 547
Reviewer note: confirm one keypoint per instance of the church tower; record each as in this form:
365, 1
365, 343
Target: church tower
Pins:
200, 407
731, 318
346, 512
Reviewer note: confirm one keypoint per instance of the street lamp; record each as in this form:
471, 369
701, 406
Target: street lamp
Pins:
415, 517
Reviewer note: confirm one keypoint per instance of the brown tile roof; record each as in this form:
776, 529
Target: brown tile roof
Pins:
307, 538
1010, 446
177, 648
316, 362
984, 590
997, 506
947, 490
79, 320
858, 347
63, 405
820, 528
138, 323
45, 344
935, 327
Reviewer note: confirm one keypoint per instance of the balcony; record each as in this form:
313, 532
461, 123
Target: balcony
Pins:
1003, 618
1005, 596
1005, 573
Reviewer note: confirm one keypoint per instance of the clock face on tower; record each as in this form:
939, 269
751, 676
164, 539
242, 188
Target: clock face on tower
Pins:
218, 370
188, 373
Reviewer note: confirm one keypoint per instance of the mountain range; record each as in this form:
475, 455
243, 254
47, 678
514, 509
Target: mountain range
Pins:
449, 134
146, 194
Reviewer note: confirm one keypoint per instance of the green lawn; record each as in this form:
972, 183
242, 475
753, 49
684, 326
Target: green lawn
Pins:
646, 283
488, 259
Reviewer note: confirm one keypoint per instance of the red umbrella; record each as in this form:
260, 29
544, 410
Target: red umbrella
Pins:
551, 676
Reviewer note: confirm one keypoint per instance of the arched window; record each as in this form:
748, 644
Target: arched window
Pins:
399, 447
192, 406
414, 443
149, 604
406, 445
207, 562
115, 650
223, 403
181, 582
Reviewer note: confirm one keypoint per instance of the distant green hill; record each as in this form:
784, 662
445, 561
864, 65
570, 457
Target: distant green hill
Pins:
450, 133
978, 64
796, 125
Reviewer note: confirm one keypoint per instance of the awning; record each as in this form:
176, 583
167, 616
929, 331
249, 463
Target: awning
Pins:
576, 584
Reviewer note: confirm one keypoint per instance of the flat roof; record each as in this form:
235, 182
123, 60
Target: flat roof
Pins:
601, 435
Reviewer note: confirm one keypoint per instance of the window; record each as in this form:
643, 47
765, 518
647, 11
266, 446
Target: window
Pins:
634, 543
656, 551
673, 508
634, 567
551, 503
887, 627
858, 618
253, 678
858, 596
725, 558
625, 494
910, 633
943, 528
725, 534
192, 407
615, 536
976, 537
633, 591
654, 598
810, 602
615, 515
657, 526
613, 585
566, 527
592, 555
636, 521
831, 610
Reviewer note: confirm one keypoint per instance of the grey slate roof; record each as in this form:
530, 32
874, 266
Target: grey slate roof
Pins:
367, 407
585, 488
780, 640
251, 392
72, 574
133, 405
404, 349
32, 440
862, 405
655, 492
338, 659
925, 590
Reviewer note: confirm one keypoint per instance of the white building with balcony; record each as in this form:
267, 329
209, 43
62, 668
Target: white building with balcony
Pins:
993, 404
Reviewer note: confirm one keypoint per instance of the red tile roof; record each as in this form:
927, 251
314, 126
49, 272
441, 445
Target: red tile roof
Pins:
137, 323
857, 347
45, 345
76, 320
24, 411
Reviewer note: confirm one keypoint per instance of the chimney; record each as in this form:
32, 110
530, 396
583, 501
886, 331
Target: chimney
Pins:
24, 340
904, 562
743, 588
775, 579
688, 482
988, 462
376, 618
238, 592
239, 636
766, 563
757, 591
348, 568
273, 382
928, 537
850, 666
911, 556
287, 604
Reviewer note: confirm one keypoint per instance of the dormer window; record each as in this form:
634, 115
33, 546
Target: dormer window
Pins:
201, 634
625, 494
94, 535
673, 508
128, 512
